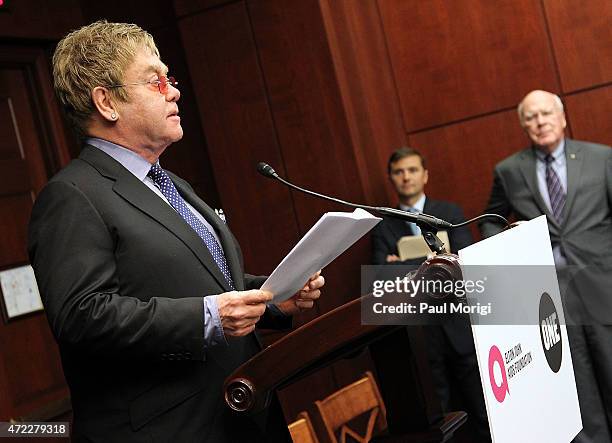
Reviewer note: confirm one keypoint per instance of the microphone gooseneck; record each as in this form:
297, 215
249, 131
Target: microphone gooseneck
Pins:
423, 220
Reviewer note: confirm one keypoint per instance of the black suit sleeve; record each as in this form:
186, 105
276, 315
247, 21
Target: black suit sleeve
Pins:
498, 204
73, 255
380, 246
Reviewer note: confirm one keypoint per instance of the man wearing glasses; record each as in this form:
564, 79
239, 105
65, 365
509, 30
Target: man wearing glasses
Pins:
142, 283
571, 182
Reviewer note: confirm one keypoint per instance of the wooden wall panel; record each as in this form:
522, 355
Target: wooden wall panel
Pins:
310, 122
30, 377
458, 59
239, 130
189, 157
39, 19
33, 370
588, 115
317, 151
247, 119
581, 32
148, 14
366, 83
461, 157
186, 7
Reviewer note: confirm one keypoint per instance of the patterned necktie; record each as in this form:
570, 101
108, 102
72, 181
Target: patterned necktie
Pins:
555, 190
413, 226
167, 188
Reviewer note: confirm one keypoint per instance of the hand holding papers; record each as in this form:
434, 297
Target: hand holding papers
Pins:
333, 234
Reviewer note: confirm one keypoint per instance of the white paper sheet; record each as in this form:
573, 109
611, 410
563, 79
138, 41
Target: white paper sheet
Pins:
333, 234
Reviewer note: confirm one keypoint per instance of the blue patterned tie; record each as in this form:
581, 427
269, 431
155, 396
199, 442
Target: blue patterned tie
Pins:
167, 188
555, 189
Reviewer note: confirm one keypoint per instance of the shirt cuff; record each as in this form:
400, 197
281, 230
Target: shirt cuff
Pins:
213, 330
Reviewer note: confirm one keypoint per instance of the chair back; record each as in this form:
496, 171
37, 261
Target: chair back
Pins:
302, 431
360, 398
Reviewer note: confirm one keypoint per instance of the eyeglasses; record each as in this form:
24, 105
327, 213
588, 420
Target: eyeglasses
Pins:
162, 84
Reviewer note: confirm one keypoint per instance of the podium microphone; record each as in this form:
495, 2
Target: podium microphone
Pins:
420, 219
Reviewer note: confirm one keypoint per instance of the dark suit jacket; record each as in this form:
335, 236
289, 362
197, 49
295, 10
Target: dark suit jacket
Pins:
384, 242
122, 278
585, 235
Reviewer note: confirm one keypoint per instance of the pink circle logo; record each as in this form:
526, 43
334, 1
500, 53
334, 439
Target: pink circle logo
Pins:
499, 391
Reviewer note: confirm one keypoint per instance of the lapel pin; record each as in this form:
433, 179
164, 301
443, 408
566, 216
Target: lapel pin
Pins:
573, 156
221, 215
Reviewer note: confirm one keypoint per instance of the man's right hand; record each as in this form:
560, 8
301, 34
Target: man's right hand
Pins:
392, 258
240, 310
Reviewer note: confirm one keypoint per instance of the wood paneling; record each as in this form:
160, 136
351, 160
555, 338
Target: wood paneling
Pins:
40, 19
26, 141
239, 131
366, 83
189, 157
31, 376
15, 213
148, 14
588, 114
185, 7
32, 368
313, 133
459, 59
581, 32
310, 122
461, 157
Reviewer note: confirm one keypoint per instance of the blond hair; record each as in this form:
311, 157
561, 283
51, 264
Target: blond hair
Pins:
95, 55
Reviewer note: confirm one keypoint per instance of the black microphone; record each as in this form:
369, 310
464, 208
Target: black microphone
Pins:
420, 219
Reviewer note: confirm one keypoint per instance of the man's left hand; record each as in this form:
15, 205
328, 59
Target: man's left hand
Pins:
305, 297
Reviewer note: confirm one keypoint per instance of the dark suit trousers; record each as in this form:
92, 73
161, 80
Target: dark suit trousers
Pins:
590, 347
456, 373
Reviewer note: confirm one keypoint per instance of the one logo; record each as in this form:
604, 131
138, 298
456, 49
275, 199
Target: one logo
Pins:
550, 332
499, 391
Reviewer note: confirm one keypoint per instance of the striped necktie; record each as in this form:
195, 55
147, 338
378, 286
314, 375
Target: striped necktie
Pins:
556, 194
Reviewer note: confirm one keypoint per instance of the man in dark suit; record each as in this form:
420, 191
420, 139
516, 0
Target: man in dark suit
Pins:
408, 173
571, 182
451, 347
142, 282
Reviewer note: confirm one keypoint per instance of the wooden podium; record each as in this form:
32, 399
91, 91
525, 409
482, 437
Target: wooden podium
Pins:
398, 352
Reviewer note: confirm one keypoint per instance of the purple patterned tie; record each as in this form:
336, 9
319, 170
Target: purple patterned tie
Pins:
555, 190
167, 188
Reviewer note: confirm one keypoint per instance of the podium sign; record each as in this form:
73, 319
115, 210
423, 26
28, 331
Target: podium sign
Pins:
525, 365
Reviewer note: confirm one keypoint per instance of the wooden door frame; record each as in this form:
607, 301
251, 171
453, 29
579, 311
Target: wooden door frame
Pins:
34, 60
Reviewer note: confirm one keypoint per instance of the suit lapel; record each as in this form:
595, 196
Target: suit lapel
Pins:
527, 166
225, 236
573, 161
134, 191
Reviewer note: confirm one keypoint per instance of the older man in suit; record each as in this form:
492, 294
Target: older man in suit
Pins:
571, 182
142, 282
